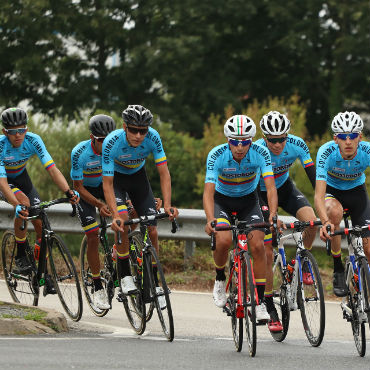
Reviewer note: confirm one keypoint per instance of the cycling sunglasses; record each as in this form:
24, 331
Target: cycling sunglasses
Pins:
99, 139
274, 140
134, 130
15, 131
235, 142
352, 136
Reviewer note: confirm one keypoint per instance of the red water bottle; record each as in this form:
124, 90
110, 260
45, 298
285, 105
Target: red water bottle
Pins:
114, 253
36, 251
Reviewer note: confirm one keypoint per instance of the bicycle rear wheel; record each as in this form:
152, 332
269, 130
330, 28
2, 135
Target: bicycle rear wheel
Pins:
65, 277
232, 300
352, 300
160, 290
280, 298
365, 288
21, 287
136, 247
87, 280
310, 297
248, 291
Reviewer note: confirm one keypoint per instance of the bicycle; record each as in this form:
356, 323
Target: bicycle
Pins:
356, 304
291, 291
133, 304
242, 299
26, 288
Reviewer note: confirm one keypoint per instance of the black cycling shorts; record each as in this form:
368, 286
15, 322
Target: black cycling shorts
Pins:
290, 199
247, 208
356, 200
139, 191
88, 214
24, 184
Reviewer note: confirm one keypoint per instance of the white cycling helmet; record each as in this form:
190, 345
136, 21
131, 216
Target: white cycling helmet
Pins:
275, 123
347, 122
239, 127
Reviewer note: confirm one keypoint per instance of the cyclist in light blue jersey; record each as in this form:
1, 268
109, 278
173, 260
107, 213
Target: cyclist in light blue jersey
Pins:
284, 149
86, 173
124, 154
17, 146
340, 184
232, 176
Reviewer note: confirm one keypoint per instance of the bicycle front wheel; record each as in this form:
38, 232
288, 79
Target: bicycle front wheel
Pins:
352, 300
310, 297
87, 280
279, 291
365, 287
248, 291
232, 303
160, 293
65, 277
21, 287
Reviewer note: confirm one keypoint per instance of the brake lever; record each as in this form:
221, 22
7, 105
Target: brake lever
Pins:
119, 240
213, 237
328, 241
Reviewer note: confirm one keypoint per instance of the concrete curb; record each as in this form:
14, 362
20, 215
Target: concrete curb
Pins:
53, 322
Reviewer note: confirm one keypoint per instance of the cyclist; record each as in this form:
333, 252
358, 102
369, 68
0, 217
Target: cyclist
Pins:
340, 184
233, 172
86, 174
284, 149
17, 146
124, 154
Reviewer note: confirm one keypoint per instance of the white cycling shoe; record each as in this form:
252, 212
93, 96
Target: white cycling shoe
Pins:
127, 285
219, 293
100, 299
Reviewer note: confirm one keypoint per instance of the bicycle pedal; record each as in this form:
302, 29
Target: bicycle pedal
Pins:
261, 322
226, 309
119, 297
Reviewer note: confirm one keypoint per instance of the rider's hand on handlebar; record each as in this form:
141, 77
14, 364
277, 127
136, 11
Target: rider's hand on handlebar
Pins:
158, 203
209, 229
104, 210
115, 227
172, 212
280, 224
73, 196
324, 234
21, 211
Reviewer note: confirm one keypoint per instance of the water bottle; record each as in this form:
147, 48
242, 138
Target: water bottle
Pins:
290, 270
114, 253
36, 251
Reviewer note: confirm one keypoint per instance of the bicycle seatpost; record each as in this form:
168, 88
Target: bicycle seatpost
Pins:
213, 237
119, 240
328, 241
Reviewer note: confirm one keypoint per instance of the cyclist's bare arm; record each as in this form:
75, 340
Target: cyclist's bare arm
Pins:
272, 198
111, 201
7, 192
320, 191
89, 198
165, 179
61, 182
209, 206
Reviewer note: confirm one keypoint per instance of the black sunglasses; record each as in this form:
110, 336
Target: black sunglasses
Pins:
134, 130
276, 140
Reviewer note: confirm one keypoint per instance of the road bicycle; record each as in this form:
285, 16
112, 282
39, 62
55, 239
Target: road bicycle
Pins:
297, 285
138, 306
54, 256
149, 274
242, 293
356, 304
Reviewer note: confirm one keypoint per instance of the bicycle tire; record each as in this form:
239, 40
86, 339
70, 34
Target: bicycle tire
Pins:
65, 277
279, 291
86, 277
358, 329
22, 288
164, 314
248, 296
365, 280
136, 246
232, 300
134, 303
312, 307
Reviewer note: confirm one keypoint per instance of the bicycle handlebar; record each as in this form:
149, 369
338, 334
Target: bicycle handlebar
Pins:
301, 225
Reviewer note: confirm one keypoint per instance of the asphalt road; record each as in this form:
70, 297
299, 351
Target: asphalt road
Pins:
203, 340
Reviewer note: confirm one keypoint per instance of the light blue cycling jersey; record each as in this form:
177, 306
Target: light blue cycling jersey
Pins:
340, 173
235, 179
120, 156
86, 164
13, 161
294, 148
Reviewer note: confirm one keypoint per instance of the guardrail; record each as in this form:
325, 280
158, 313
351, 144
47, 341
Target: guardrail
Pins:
191, 222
